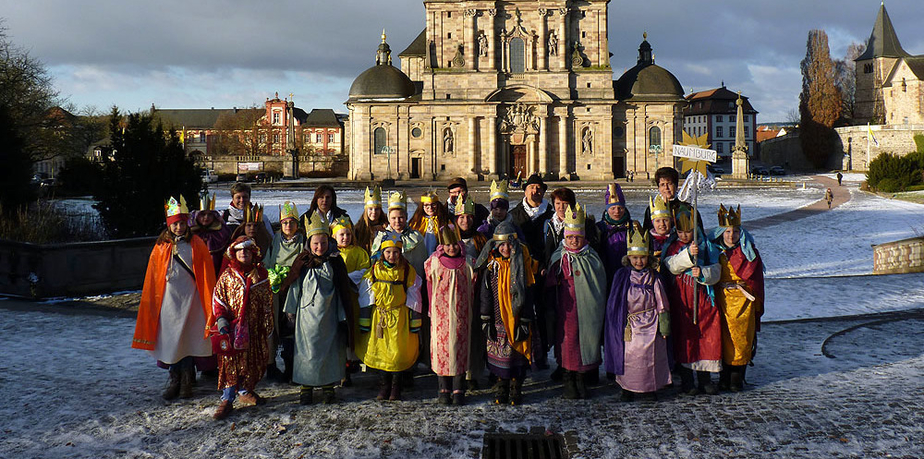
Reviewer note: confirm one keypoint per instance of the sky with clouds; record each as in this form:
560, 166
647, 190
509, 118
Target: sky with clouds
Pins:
236, 53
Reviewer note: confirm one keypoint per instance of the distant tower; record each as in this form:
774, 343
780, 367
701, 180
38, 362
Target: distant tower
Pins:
740, 160
883, 52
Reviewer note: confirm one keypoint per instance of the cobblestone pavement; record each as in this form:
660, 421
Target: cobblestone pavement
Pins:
86, 394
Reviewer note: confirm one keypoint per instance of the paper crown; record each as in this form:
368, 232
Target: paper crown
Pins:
253, 214
465, 207
372, 198
288, 210
683, 218
614, 196
391, 239
316, 225
658, 208
397, 200
448, 235
176, 210
574, 220
638, 240
729, 217
206, 203
341, 223
499, 191
429, 197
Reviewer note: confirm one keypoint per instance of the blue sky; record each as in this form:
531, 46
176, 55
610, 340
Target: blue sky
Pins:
236, 53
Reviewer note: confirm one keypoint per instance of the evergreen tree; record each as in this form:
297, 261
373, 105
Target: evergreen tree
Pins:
820, 102
16, 173
145, 168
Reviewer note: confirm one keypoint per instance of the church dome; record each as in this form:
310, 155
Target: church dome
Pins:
647, 80
382, 81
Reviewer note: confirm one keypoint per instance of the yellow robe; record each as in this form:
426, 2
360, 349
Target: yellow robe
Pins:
390, 345
739, 324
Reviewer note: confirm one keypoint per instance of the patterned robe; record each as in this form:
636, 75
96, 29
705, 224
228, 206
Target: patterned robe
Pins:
696, 346
741, 315
507, 358
450, 287
246, 368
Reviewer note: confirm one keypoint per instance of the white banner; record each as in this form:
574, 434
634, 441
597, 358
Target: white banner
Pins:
695, 153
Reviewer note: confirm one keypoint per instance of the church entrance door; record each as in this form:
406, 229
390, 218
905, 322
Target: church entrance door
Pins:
517, 160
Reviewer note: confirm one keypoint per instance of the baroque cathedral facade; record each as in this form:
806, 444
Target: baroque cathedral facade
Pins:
504, 88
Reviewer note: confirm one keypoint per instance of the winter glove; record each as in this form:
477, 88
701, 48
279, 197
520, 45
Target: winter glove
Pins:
416, 322
664, 324
487, 327
521, 332
223, 325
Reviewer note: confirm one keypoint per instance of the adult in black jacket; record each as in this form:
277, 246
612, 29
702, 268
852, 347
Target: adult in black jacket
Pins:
530, 216
325, 203
458, 191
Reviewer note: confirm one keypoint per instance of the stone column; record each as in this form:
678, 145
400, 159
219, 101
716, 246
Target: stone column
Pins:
563, 146
492, 146
543, 40
563, 48
543, 145
471, 41
491, 31
473, 152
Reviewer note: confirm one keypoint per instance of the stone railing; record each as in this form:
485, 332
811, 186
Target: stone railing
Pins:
84, 268
905, 256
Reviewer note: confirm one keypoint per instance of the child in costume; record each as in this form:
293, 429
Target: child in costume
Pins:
240, 202
287, 244
252, 227
450, 286
662, 227
208, 225
637, 322
739, 296
389, 315
695, 326
507, 272
176, 301
318, 304
613, 228
242, 307
473, 241
576, 290
413, 248
356, 260
500, 207
430, 216
372, 221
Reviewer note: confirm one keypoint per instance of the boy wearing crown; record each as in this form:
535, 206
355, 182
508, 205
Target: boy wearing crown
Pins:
242, 307
430, 216
208, 225
389, 315
319, 304
287, 244
576, 290
450, 287
176, 301
506, 273
413, 248
613, 229
372, 221
637, 322
695, 324
739, 296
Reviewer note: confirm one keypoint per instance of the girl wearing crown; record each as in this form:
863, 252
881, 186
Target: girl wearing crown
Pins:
208, 225
613, 229
500, 205
576, 290
695, 324
506, 273
319, 304
253, 227
356, 260
389, 315
662, 227
176, 302
637, 322
413, 248
287, 244
473, 242
739, 295
242, 307
430, 216
372, 221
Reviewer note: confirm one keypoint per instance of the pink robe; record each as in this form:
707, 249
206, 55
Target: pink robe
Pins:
450, 288
646, 368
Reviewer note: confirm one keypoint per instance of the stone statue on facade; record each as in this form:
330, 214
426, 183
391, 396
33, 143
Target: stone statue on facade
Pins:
588, 141
483, 45
447, 141
553, 44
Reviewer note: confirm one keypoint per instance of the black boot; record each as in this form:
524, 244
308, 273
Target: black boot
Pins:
458, 390
328, 396
445, 392
580, 385
725, 378
306, 395
687, 386
626, 396
502, 392
705, 383
187, 381
516, 391
569, 391
557, 374
396, 383
288, 358
736, 379
385, 389
592, 377
173, 384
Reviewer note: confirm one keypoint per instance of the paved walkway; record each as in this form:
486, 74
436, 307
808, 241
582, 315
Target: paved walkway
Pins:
841, 195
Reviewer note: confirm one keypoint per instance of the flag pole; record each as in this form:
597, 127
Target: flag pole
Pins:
695, 242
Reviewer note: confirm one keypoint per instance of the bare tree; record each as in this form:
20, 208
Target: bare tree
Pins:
846, 77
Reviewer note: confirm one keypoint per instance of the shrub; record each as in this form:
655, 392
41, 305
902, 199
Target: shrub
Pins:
890, 173
44, 222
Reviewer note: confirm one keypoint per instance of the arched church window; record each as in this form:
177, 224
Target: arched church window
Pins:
378, 136
517, 55
654, 138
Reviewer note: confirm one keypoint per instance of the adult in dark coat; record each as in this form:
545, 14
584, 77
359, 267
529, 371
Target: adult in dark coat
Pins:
325, 203
667, 179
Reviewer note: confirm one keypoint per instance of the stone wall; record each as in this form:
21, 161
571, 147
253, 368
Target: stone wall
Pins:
76, 269
905, 256
784, 151
892, 138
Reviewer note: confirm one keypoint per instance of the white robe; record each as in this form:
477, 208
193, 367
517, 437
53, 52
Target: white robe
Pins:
181, 328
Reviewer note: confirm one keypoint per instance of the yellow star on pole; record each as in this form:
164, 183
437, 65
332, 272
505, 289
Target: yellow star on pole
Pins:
688, 164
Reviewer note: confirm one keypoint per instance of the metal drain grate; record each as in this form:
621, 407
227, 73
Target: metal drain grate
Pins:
523, 446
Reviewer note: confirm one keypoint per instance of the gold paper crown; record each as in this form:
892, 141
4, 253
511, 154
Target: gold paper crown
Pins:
429, 196
391, 239
397, 200
683, 218
448, 235
499, 190
574, 219
253, 214
372, 198
288, 210
638, 240
341, 223
206, 203
466, 207
729, 217
174, 207
658, 208
317, 225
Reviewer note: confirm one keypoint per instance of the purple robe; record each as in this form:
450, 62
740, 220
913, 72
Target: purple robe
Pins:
215, 239
612, 245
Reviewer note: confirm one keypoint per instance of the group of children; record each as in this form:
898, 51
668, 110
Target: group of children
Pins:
458, 294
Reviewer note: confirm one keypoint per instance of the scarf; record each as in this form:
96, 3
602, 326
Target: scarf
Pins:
620, 222
517, 280
534, 212
448, 262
